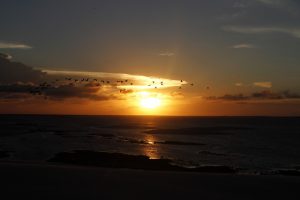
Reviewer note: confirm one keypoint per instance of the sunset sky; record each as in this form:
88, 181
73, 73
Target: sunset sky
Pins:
191, 57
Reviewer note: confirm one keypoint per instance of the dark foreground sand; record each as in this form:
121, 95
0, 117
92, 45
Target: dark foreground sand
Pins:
35, 181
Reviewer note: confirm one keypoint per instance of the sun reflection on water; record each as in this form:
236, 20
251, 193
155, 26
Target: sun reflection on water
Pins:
150, 149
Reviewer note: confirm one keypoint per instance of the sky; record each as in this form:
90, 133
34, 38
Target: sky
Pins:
208, 57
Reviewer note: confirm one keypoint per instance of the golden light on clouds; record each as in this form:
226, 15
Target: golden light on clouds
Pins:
143, 94
138, 82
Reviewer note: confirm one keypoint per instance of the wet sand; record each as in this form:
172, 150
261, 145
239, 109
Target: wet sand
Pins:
37, 181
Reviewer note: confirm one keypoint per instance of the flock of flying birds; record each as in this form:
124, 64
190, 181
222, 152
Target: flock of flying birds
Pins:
68, 81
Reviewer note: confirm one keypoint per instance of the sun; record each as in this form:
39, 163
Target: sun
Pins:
150, 102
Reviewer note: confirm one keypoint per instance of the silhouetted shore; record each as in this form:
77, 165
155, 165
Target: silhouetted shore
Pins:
119, 160
36, 181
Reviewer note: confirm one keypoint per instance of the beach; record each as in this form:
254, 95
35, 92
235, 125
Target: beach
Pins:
100, 157
41, 181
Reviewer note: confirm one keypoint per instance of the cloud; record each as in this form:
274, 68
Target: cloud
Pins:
15, 92
240, 4
290, 95
265, 84
279, 3
124, 91
244, 46
61, 92
9, 45
11, 72
290, 6
20, 82
267, 94
229, 97
239, 84
272, 2
294, 32
71, 91
177, 95
5, 56
139, 82
262, 95
168, 54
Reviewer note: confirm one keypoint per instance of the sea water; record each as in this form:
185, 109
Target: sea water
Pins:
253, 143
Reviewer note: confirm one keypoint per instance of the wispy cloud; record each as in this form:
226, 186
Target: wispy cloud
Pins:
139, 81
240, 4
274, 2
291, 6
244, 46
265, 84
239, 84
294, 32
168, 54
13, 45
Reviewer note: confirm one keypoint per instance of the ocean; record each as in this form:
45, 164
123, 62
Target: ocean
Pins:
252, 144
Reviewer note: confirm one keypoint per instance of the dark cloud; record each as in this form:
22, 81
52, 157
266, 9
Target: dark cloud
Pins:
126, 91
229, 97
291, 95
8, 97
12, 72
16, 88
19, 82
25, 91
5, 56
262, 95
15, 92
267, 94
70, 91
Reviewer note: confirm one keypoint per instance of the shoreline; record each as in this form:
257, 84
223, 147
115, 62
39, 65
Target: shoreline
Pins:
114, 160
